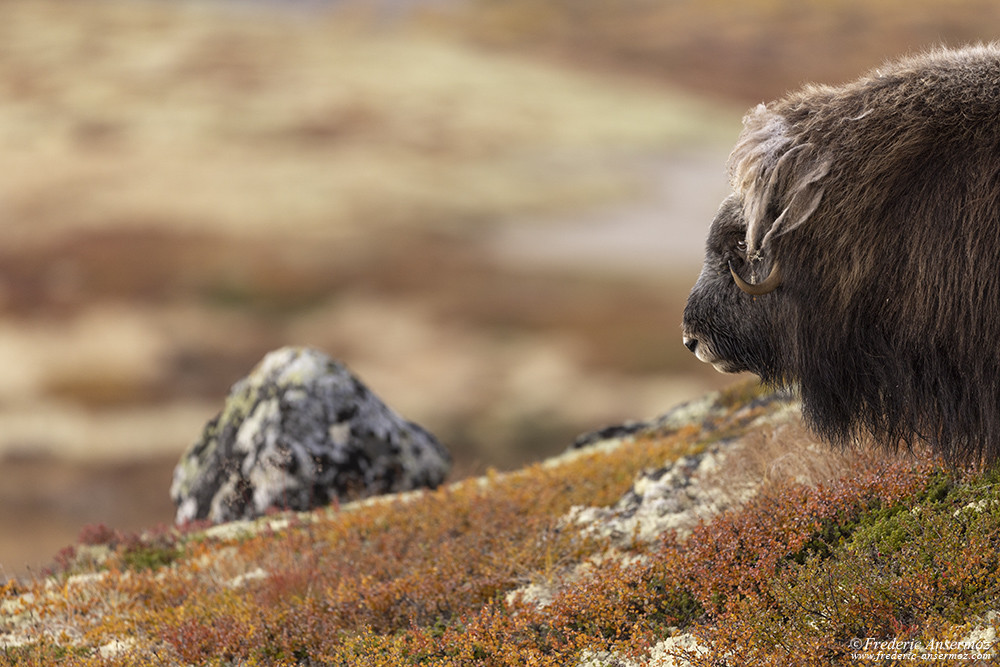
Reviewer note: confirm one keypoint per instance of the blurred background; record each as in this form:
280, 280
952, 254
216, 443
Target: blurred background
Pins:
491, 210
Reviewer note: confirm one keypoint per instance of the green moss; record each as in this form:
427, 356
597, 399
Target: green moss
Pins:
42, 653
149, 557
888, 529
901, 568
831, 534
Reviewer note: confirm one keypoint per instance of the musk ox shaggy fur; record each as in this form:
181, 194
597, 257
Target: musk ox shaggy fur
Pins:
858, 257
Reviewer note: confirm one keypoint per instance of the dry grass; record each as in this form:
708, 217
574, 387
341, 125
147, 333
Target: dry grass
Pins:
211, 118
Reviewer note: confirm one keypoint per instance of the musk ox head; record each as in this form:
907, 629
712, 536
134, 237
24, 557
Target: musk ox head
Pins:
858, 257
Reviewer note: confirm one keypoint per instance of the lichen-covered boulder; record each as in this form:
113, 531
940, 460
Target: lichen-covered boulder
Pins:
300, 431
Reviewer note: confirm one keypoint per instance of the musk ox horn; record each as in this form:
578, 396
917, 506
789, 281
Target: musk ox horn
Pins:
769, 284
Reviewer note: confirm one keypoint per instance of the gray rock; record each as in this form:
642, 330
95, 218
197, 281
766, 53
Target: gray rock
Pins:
705, 412
674, 497
297, 433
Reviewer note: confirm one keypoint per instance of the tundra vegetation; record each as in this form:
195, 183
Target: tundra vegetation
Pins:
867, 546
878, 546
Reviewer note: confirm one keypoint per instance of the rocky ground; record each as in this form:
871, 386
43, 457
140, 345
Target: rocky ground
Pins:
722, 527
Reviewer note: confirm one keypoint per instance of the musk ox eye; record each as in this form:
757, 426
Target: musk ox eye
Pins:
741, 247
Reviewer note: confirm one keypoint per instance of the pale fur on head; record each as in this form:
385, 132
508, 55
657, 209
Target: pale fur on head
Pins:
768, 160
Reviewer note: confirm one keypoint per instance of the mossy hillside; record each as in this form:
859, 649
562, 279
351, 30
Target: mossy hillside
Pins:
891, 548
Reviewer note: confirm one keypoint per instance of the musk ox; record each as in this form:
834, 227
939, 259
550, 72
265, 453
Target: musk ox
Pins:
858, 257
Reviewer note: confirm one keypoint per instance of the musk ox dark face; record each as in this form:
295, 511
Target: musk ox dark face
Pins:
858, 258
723, 324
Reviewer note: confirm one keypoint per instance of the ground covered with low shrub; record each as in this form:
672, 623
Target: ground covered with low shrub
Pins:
886, 548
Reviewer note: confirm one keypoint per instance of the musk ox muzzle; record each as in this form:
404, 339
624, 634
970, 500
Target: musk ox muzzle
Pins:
856, 258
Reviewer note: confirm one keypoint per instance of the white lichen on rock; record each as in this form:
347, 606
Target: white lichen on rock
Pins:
299, 432
670, 652
678, 495
674, 497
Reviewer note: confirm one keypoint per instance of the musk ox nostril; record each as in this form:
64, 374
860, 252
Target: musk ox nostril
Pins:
690, 343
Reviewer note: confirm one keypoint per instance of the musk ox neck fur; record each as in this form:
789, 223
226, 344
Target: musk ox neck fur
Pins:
880, 202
